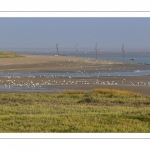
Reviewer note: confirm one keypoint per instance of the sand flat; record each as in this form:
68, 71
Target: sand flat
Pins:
37, 63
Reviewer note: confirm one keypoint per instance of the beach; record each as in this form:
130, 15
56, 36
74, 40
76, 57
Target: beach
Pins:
66, 64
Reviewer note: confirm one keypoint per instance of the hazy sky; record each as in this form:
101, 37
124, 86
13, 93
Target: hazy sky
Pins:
46, 32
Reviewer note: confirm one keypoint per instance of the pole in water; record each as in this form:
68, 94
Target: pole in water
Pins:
96, 49
57, 49
76, 47
123, 51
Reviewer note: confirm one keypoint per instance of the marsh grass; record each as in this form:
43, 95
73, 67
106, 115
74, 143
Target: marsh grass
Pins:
9, 55
75, 111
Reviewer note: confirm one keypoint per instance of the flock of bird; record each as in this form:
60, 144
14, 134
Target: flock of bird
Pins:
47, 82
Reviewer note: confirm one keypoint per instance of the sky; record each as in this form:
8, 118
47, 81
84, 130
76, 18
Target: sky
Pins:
108, 33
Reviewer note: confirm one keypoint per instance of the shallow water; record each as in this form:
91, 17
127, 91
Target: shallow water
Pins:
59, 87
79, 74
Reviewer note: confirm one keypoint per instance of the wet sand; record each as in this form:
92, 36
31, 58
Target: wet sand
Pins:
36, 63
32, 63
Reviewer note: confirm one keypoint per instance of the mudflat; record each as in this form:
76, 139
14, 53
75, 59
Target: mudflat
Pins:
54, 64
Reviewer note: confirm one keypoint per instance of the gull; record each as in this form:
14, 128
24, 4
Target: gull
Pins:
112, 82
108, 82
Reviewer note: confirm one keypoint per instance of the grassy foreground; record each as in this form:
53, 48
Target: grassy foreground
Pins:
9, 55
99, 110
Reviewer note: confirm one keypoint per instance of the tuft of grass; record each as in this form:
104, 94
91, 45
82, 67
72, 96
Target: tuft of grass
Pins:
89, 98
70, 92
113, 92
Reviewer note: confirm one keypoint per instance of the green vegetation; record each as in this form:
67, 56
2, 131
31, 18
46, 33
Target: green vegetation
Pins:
99, 110
9, 55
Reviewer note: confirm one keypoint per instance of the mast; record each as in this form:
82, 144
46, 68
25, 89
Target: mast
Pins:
76, 47
57, 49
123, 51
96, 49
